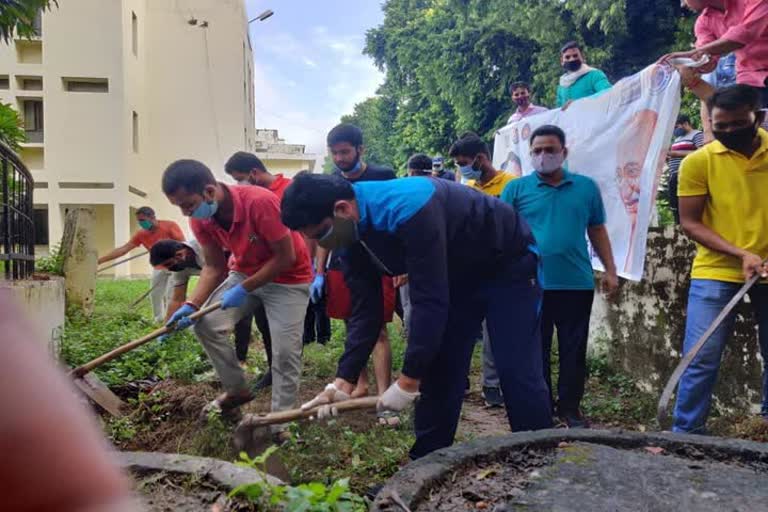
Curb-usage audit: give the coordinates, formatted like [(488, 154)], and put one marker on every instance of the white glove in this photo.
[(396, 399), (328, 396)]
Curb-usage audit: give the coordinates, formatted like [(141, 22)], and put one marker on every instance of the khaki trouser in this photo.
[(285, 305)]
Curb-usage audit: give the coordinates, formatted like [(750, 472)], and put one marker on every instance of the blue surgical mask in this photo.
[(145, 224), (469, 172), (205, 210), (679, 132)]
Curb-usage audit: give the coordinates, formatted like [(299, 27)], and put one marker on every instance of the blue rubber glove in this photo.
[(180, 319), (317, 289), (164, 338), (234, 297)]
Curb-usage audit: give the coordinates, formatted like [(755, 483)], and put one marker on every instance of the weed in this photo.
[(51, 264), (120, 430)]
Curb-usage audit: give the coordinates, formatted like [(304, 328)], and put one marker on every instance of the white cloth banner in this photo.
[(620, 140)]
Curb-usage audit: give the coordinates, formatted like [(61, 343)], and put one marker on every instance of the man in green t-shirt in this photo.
[(579, 80)]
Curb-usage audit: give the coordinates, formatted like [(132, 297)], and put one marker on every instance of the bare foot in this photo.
[(359, 392)]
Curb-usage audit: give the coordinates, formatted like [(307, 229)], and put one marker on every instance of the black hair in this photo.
[(244, 162), (735, 97), (683, 119), (519, 85), (469, 144), (345, 133), (570, 45), (146, 211), (311, 198), (548, 129), (420, 162), (190, 175), (163, 250)]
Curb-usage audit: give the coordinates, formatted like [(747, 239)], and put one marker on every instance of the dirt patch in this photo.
[(482, 485), (164, 492), (477, 420)]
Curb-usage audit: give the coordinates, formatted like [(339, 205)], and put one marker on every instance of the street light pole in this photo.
[(263, 16)]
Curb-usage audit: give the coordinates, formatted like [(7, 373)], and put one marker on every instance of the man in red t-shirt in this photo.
[(269, 266), (151, 232)]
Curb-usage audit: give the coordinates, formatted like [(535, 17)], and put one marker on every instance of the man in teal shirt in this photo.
[(562, 207), (579, 80)]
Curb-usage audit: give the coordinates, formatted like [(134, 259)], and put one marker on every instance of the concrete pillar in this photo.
[(122, 221), (79, 248)]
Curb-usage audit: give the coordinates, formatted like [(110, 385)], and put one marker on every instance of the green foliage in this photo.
[(613, 398), (449, 63), (51, 264), (113, 324), (11, 126), (19, 15), (309, 497)]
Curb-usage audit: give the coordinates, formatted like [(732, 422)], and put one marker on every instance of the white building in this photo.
[(280, 157), (113, 91)]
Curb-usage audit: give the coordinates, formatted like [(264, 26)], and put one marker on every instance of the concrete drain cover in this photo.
[(598, 478)]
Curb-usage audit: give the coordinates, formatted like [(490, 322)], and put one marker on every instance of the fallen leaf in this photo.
[(655, 450), (563, 444), (481, 505), (486, 473)]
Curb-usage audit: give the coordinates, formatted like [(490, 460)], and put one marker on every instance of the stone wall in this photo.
[(43, 301), (641, 330)]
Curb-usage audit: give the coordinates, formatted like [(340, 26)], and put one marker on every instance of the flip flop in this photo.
[(388, 418)]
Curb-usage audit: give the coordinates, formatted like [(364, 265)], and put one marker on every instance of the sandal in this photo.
[(388, 418)]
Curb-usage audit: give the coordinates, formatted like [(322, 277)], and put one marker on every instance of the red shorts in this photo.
[(340, 298)]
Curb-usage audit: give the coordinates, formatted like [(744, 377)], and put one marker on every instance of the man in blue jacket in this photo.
[(468, 256)]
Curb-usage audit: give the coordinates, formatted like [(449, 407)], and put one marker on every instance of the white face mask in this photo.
[(548, 163)]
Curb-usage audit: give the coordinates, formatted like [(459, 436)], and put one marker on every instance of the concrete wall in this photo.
[(641, 331), (43, 301)]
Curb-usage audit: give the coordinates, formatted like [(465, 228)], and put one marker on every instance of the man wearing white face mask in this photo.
[(561, 207)]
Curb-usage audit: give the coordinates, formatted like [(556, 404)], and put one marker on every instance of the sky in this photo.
[(309, 69)]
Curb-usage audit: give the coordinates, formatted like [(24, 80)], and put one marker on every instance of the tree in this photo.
[(19, 16), (11, 127), (448, 63)]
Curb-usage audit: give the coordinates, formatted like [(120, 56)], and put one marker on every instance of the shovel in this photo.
[(93, 388), (253, 435), (102, 269), (666, 395)]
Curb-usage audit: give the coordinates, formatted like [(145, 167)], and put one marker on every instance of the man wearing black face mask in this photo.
[(687, 140), (579, 80), (183, 260), (723, 208), (521, 98)]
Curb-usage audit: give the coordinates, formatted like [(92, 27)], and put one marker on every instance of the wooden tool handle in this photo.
[(109, 356), (102, 269), (368, 402)]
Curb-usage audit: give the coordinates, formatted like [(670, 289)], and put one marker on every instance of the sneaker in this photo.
[(492, 397), (574, 420), (264, 382)]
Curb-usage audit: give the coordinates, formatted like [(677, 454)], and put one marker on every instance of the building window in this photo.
[(33, 120), (135, 132), (134, 34), (85, 84), (41, 226), (33, 83), (4, 82)]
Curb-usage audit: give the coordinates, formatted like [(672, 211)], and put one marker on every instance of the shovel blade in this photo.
[(92, 387)]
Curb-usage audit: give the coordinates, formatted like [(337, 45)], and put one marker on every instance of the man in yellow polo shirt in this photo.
[(724, 209), (473, 158)]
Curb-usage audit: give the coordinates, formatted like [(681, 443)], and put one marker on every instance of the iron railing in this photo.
[(17, 225)]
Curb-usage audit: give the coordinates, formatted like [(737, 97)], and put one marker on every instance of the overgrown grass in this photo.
[(115, 323)]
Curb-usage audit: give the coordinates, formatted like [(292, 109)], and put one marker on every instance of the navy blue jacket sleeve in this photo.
[(363, 279), (425, 240)]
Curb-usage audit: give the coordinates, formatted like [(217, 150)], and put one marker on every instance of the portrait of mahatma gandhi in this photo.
[(512, 164), (632, 149)]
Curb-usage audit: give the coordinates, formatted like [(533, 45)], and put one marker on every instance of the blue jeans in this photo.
[(516, 345), (706, 300)]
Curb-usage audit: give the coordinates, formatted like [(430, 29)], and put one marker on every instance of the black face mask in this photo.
[(738, 140), (572, 65)]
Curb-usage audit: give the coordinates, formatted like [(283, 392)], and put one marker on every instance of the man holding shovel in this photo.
[(151, 232), (723, 208), (468, 257), (269, 265)]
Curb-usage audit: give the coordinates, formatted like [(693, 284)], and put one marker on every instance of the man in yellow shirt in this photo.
[(473, 158), (724, 209)]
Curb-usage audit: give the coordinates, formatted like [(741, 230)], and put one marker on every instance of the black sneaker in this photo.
[(264, 382), (574, 420), (492, 397)]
